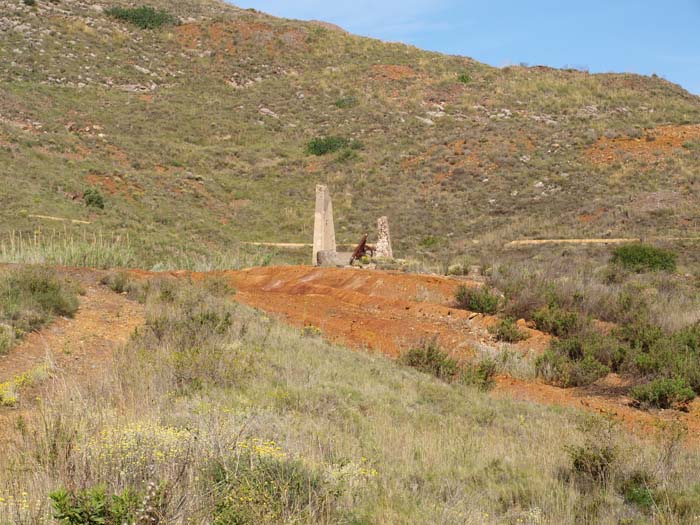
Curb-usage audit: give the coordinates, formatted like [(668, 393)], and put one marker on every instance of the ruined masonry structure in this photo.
[(324, 229), (383, 247)]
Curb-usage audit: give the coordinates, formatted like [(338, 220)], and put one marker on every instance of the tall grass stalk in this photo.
[(66, 249)]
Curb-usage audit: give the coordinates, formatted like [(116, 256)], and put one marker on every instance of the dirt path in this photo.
[(79, 346)]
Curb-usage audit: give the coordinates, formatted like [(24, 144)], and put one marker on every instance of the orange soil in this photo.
[(389, 72), (657, 144), (382, 311), (375, 310), (114, 184), (389, 311), (608, 397)]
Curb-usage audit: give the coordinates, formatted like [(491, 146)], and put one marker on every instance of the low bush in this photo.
[(345, 102), (594, 461), (643, 258), (430, 359), (30, 298), (507, 330), (562, 371), (482, 300), (556, 321), (121, 283), (265, 486), (94, 506), (578, 361), (464, 78), (637, 489), (663, 393), (145, 17), (93, 199), (481, 375), (325, 145)]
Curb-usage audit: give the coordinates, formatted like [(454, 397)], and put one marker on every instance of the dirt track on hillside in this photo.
[(367, 310), (382, 311), (389, 312)]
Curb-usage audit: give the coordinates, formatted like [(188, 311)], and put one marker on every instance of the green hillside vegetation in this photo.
[(193, 121), (213, 413)]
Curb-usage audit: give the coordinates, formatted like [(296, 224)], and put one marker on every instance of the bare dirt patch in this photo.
[(392, 72), (654, 146), (383, 311)]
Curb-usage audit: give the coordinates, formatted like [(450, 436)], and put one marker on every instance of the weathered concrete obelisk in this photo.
[(383, 246), (324, 229)]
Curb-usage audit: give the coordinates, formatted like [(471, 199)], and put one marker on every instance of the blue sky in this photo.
[(642, 36)]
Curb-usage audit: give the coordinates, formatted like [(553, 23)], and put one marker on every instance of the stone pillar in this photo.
[(383, 247), (324, 229)]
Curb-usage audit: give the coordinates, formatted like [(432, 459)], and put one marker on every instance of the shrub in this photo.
[(7, 338), (93, 199), (637, 489), (593, 461), (345, 102), (643, 258), (93, 506), (560, 370), (121, 283), (507, 330), (481, 300), (578, 361), (663, 393), (30, 3), (265, 486), (430, 359), (348, 155), (481, 375), (464, 78), (117, 282), (555, 320), (325, 145), (29, 298), (145, 17)]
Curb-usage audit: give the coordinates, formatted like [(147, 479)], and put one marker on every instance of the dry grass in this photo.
[(209, 387)]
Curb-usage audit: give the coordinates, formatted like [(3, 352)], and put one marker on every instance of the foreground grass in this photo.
[(216, 414)]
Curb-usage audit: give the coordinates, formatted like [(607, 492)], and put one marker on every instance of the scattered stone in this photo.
[(268, 113)]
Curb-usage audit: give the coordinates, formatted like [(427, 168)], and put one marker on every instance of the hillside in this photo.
[(195, 134), (194, 408)]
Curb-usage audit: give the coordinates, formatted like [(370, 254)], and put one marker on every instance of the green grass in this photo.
[(144, 17), (182, 172), (215, 412), (324, 145), (644, 258)]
